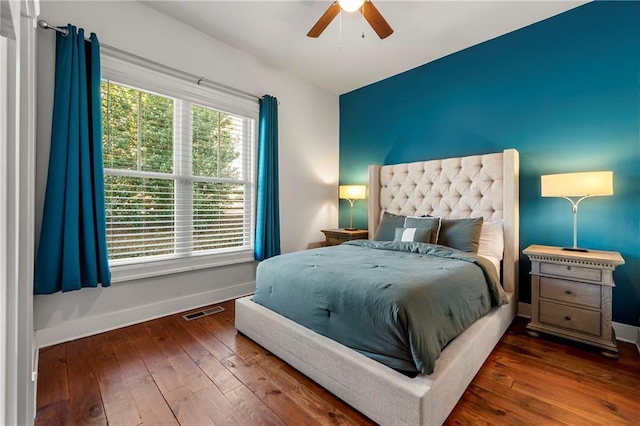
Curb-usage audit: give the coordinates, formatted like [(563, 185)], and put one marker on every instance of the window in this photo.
[(179, 178)]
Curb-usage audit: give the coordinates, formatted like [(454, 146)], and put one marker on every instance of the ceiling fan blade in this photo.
[(324, 20), (375, 19)]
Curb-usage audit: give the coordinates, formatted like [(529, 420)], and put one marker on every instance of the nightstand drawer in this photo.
[(570, 292), (333, 237), (570, 271), (572, 318), (334, 241), (571, 295)]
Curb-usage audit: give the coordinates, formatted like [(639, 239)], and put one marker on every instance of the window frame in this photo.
[(141, 76)]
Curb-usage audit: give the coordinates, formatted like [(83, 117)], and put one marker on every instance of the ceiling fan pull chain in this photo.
[(340, 24), (362, 21)]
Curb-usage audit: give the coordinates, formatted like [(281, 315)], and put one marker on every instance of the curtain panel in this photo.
[(267, 238), (73, 251)]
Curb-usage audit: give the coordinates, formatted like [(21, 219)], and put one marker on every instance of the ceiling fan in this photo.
[(366, 7)]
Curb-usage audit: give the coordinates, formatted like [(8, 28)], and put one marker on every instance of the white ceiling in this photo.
[(275, 32)]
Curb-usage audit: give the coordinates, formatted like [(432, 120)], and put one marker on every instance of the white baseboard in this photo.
[(624, 332), (75, 329), (524, 310), (34, 373)]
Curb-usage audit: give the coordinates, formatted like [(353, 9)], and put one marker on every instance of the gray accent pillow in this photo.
[(431, 223), (419, 235), (461, 234), (387, 229)]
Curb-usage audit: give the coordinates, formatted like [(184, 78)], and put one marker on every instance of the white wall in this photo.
[(308, 137)]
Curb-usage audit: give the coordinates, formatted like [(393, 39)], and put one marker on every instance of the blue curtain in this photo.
[(73, 250), (267, 242)]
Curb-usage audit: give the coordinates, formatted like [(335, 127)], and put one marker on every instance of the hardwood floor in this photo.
[(201, 372)]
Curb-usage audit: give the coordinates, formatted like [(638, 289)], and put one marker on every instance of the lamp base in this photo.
[(350, 229), (582, 250)]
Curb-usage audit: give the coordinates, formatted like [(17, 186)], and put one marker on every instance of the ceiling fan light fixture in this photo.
[(370, 13), (350, 5)]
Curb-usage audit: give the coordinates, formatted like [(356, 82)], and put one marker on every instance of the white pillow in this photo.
[(419, 235), (491, 240), (495, 262), (491, 244)]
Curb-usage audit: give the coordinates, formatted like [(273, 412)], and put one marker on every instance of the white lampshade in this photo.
[(350, 5), (353, 192), (577, 184)]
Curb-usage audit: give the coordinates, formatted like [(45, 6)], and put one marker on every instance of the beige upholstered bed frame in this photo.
[(473, 186)]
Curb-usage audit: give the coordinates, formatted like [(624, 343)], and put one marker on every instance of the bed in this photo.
[(474, 186)]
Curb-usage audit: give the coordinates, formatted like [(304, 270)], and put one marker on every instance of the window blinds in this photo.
[(178, 175)]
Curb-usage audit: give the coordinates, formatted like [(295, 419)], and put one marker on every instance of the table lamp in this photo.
[(352, 193), (580, 186)]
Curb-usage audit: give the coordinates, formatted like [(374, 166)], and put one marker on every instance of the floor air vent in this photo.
[(203, 313)]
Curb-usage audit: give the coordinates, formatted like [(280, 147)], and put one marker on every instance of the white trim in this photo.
[(87, 326), (624, 332), (524, 310), (35, 360), (155, 268), (17, 162), (143, 77), (27, 191), (3, 225), (30, 9)]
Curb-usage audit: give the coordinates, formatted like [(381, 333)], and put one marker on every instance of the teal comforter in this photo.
[(398, 303)]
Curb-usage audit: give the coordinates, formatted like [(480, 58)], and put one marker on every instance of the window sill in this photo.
[(123, 273)]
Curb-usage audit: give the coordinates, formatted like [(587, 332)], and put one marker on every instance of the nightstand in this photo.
[(338, 236), (571, 295)]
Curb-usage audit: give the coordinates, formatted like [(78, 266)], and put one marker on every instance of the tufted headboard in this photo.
[(474, 186)]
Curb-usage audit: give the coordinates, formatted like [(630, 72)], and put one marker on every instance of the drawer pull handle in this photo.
[(568, 291), (568, 318), (568, 268)]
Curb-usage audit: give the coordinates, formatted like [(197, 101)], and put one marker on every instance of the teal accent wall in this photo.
[(565, 92)]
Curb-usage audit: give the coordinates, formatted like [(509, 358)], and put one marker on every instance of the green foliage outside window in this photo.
[(138, 138), (215, 145)]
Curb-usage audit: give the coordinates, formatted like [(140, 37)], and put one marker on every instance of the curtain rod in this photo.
[(198, 79)]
